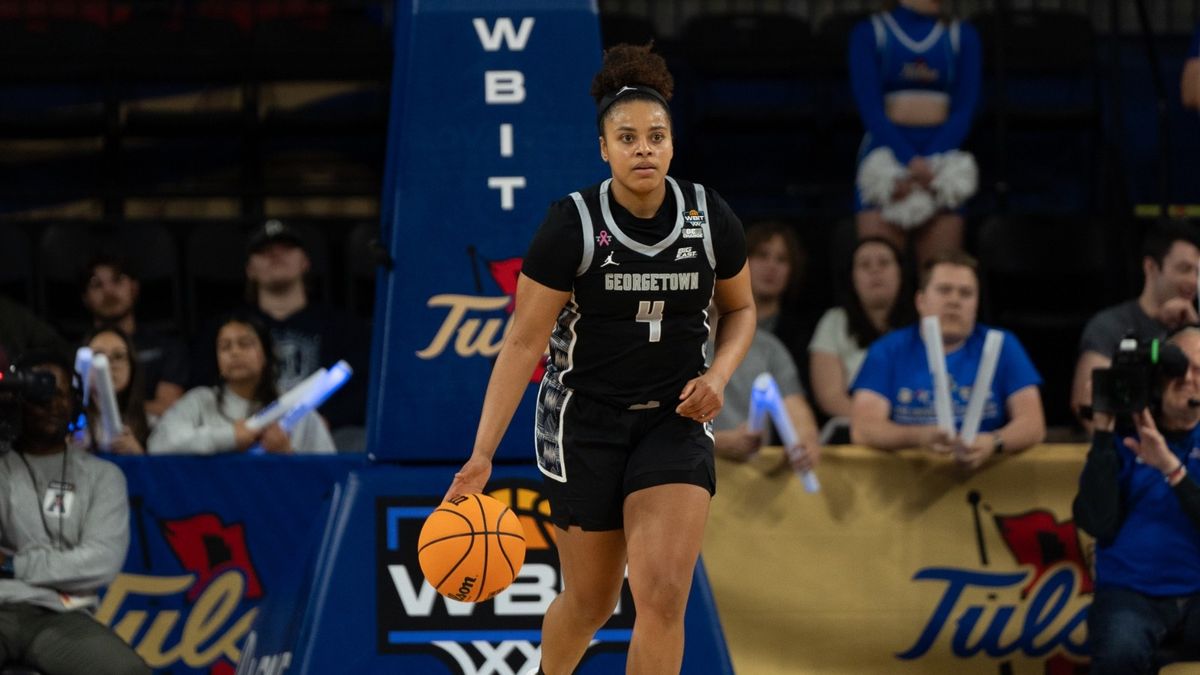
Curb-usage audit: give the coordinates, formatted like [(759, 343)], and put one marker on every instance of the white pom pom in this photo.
[(955, 178), (877, 176), (912, 211)]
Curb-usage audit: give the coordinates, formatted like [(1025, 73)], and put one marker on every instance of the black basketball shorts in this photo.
[(594, 454)]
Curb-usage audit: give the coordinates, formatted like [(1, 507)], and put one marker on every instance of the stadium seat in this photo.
[(63, 250), (746, 92), (16, 265), (18, 670), (362, 261), (1039, 128), (214, 270), (153, 252), (618, 28), (340, 41), (841, 128), (1043, 277)]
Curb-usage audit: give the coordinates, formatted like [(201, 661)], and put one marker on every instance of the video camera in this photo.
[(1138, 373), (16, 387)]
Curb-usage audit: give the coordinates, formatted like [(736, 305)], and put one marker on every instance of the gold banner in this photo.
[(901, 564)]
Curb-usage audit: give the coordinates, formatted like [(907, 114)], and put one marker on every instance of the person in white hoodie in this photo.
[(208, 420), (64, 533)]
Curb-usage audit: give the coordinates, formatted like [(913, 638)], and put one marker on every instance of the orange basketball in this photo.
[(471, 548)]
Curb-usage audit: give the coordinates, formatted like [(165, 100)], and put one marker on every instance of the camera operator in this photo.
[(1138, 499), (64, 532)]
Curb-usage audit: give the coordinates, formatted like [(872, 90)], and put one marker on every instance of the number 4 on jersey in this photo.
[(652, 313)]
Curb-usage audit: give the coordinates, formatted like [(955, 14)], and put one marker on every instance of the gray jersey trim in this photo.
[(702, 206), (630, 243), (589, 244)]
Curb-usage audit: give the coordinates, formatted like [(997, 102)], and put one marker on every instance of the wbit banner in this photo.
[(365, 607), (490, 122), (308, 565), (903, 564)]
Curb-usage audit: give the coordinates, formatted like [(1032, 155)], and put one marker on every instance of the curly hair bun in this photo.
[(632, 65)]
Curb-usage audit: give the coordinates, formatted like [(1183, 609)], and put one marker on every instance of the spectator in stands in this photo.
[(126, 374), (916, 77), (776, 261), (893, 394), (1189, 81), (110, 292), (21, 331), (307, 335), (213, 419), (731, 435), (64, 532), (876, 304), (1170, 259), (1138, 498)]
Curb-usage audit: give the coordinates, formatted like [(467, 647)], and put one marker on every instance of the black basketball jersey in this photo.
[(636, 326)]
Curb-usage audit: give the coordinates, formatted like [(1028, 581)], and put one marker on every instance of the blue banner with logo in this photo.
[(308, 565), (211, 539), (366, 608), (491, 121)]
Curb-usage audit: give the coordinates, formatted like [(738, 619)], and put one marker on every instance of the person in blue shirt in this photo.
[(1138, 499), (893, 404), (1189, 81), (916, 78)]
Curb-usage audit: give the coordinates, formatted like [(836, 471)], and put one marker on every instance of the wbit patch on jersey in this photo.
[(693, 221)]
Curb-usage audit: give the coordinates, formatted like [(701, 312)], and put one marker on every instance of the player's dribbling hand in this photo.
[(703, 397), (471, 478)]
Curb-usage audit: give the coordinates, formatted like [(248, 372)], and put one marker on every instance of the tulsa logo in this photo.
[(209, 596), (1038, 610), (473, 322), (498, 637)]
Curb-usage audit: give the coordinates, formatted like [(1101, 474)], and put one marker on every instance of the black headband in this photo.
[(609, 99)]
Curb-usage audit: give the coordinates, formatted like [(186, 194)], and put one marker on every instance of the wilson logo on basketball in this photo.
[(465, 589), (463, 627)]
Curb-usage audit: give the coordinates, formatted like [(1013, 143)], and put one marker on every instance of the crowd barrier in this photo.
[(307, 564), (901, 564)]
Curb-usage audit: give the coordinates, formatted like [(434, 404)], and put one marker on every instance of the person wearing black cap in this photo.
[(308, 335), (618, 280)]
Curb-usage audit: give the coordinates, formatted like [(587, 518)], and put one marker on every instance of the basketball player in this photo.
[(618, 279), (916, 79)]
